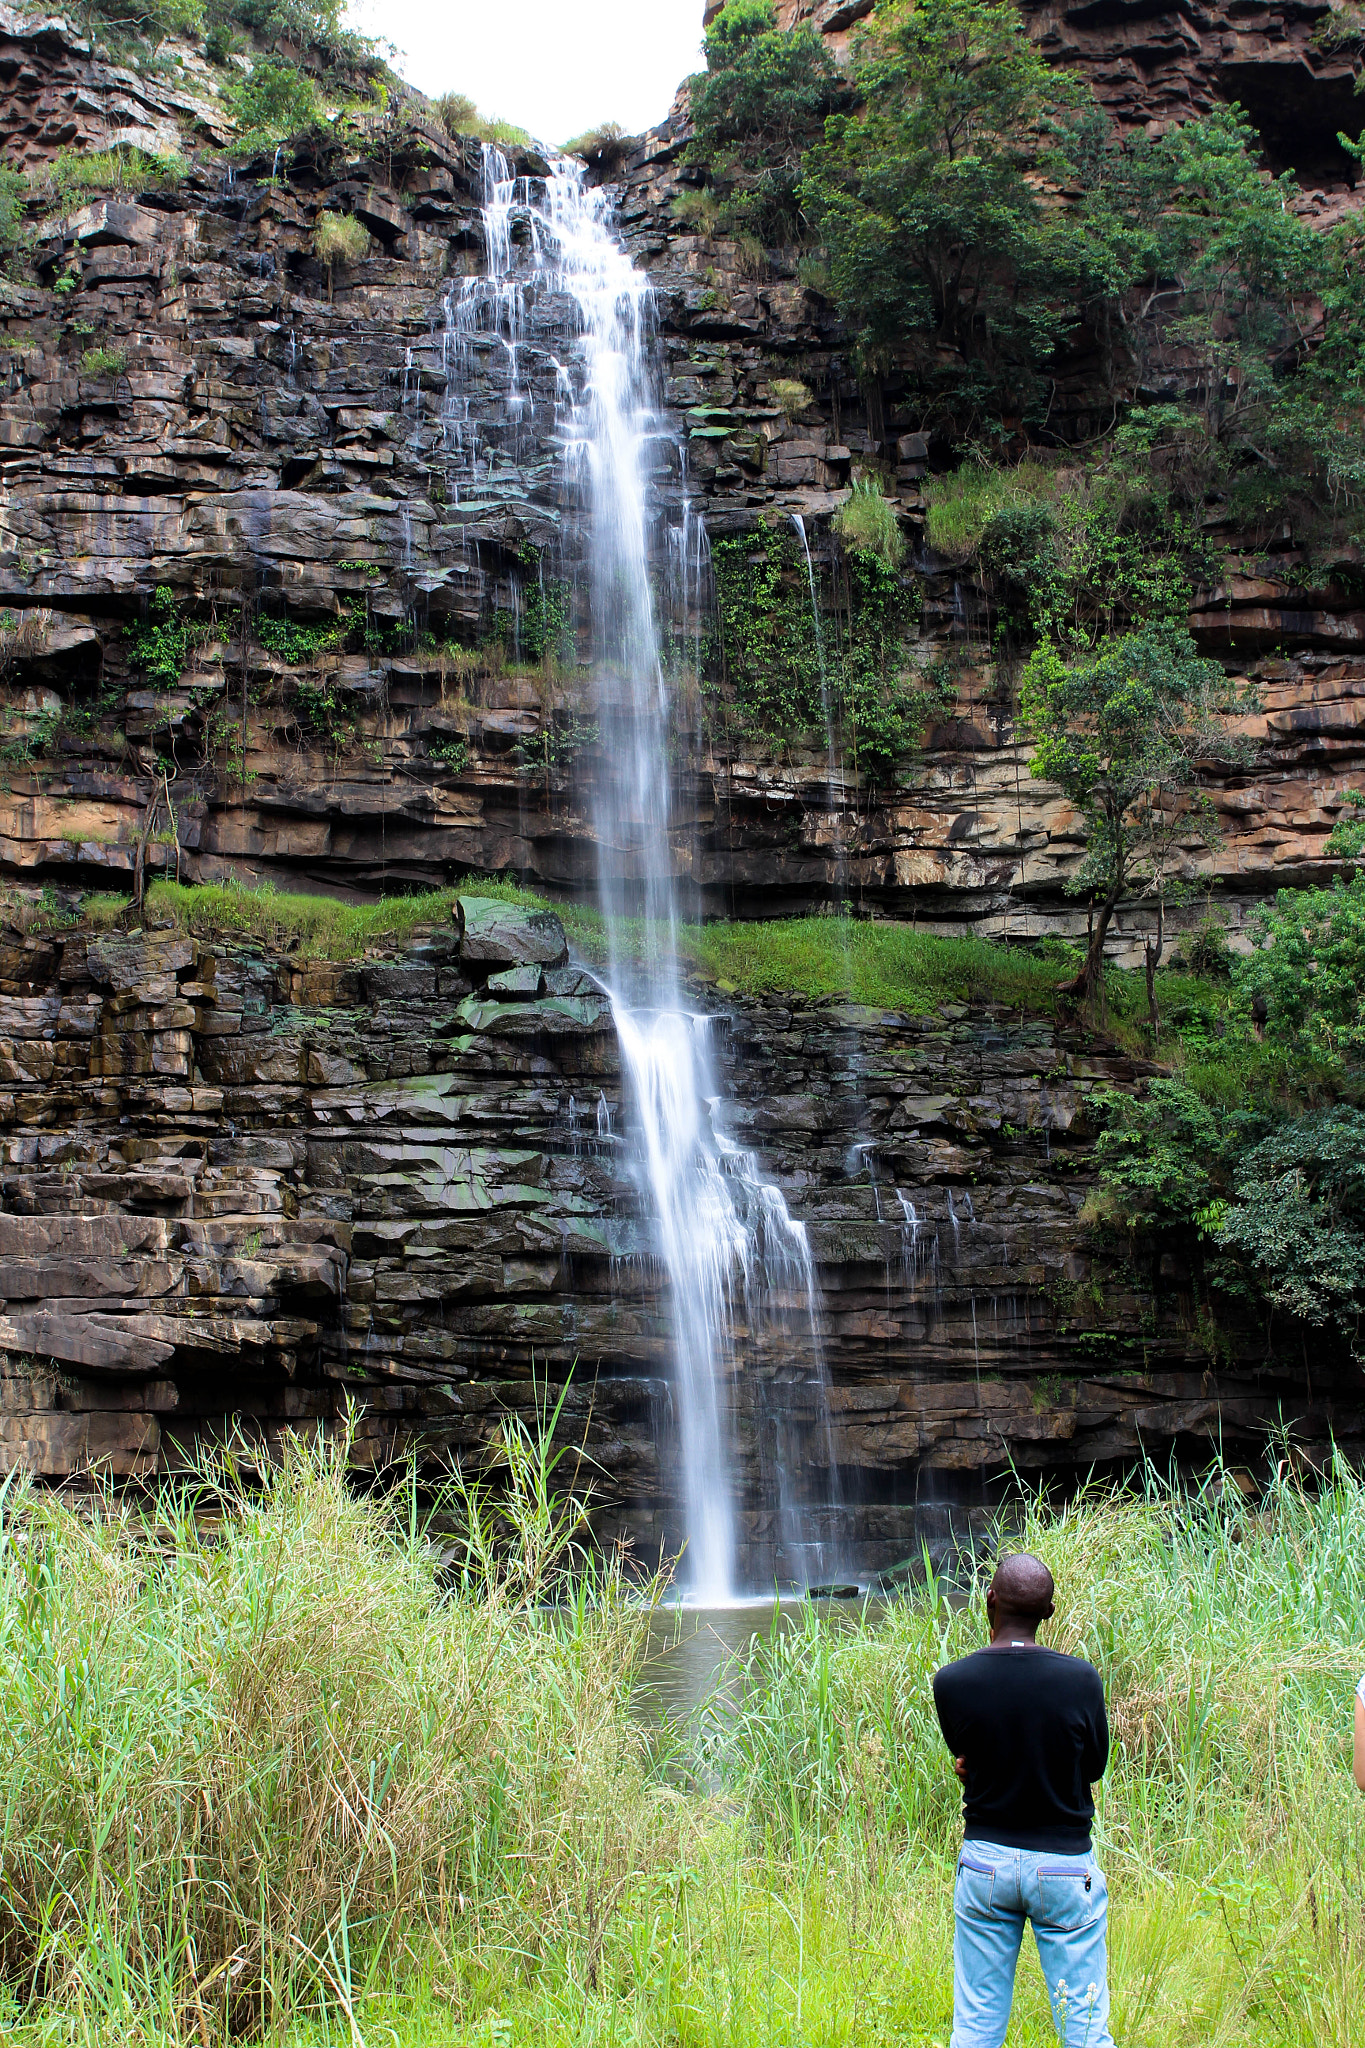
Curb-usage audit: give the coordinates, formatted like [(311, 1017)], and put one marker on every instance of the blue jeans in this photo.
[(1068, 1902)]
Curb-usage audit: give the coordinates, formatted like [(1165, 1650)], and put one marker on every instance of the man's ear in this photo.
[(1051, 1610)]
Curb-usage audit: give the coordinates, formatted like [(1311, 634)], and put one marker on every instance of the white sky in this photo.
[(557, 67)]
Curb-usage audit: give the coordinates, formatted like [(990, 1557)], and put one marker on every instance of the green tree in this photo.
[(759, 103), (1293, 1235), (928, 200), (1307, 974), (276, 101), (1212, 279), (1122, 732), (1158, 1154)]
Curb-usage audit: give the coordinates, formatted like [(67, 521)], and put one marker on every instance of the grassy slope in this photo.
[(882, 965), (284, 1758)]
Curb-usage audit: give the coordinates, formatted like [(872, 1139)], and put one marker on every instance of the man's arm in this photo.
[(1097, 1748), (1359, 1758), (949, 1725)]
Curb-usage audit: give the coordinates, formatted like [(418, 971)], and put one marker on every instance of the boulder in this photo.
[(517, 981), (505, 935)]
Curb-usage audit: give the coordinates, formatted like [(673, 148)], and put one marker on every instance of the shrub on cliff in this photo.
[(276, 102), (1307, 971), (868, 521), (460, 118), (161, 645), (597, 144), (13, 198), (149, 19), (756, 107), (315, 27), (339, 238), (1123, 732)]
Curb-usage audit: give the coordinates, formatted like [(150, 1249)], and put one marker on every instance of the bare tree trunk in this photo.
[(1091, 977), (140, 858), (1151, 960)]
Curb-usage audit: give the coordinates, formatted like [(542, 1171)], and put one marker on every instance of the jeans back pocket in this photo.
[(975, 1883), (1071, 1896)]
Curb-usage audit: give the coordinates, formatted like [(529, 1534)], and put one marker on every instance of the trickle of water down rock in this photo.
[(738, 1265)]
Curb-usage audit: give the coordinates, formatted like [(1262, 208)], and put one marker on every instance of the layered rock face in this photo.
[(194, 402), (241, 1191), (243, 1195), (60, 94), (1153, 64)]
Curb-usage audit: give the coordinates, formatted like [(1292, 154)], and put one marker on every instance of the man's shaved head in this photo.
[(1023, 1588)]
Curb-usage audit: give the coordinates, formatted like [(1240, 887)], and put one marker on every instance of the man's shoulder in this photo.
[(1079, 1671), (948, 1676), (991, 1663)]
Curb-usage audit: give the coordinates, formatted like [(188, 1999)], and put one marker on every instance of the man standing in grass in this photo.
[(1029, 1736)]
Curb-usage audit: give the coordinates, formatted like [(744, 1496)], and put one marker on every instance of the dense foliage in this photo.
[(1269, 1175), (977, 212), (316, 28), (1124, 733), (276, 101), (758, 105), (938, 235), (1309, 971)]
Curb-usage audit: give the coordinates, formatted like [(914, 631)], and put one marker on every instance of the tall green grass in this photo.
[(882, 965), (256, 1755), (962, 504), (1230, 1638), (274, 1760)]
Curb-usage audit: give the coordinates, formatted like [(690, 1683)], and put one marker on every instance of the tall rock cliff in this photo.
[(194, 403), (243, 1196), (279, 601)]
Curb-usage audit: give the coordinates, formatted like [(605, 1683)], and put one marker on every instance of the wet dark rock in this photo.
[(231, 1189), (498, 934)]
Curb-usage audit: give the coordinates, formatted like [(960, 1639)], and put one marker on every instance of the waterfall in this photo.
[(799, 523), (833, 775), (734, 1259)]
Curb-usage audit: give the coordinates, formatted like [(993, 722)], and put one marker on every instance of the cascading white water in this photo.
[(724, 1236), (798, 521)]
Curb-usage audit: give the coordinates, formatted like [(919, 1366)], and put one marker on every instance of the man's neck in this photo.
[(1015, 1635)]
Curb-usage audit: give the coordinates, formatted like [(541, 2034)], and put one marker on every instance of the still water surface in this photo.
[(693, 1650)]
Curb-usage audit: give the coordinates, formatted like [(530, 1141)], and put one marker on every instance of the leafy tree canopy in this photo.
[(925, 195), (759, 103), (1308, 970), (1123, 732), (1293, 1233), (1279, 1200)]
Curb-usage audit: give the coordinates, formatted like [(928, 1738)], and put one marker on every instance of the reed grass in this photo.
[(257, 1755), (276, 1761)]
